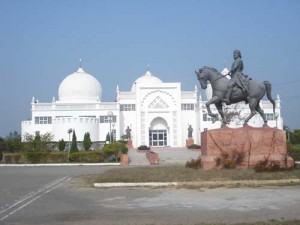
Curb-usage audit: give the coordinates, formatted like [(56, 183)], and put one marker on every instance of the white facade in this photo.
[(157, 113)]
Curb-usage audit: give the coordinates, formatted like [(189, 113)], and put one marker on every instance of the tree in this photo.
[(74, 147), (107, 138), (114, 150), (38, 142), (87, 143), (3, 145), (13, 141), (233, 114), (61, 145), (124, 137), (297, 135)]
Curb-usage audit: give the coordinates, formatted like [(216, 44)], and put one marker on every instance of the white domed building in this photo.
[(80, 87), (157, 113)]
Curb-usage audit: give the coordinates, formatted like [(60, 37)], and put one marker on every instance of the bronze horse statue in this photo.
[(219, 83)]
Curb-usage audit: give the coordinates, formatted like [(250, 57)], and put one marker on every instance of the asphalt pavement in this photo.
[(53, 195)]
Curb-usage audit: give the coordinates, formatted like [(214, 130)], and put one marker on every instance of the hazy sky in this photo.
[(41, 42)]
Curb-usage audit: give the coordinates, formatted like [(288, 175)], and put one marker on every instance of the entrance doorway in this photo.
[(158, 138), (158, 132)]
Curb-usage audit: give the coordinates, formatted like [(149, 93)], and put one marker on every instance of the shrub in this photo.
[(74, 147), (194, 164), (230, 160), (293, 148), (114, 150), (13, 158), (57, 157), (46, 157), (194, 146), (61, 145), (124, 149), (87, 143), (7, 159), (35, 157), (294, 151), (143, 147), (16, 157), (123, 142), (87, 156), (267, 165), (1, 156)]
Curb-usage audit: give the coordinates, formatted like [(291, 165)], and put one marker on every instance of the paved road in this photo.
[(51, 195)]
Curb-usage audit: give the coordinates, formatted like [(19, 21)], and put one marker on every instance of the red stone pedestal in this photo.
[(256, 144), (189, 141), (124, 159), (152, 158), (129, 144)]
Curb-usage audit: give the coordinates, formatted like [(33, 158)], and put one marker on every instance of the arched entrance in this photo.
[(158, 132)]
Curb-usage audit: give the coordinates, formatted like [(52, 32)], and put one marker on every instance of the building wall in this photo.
[(158, 107)]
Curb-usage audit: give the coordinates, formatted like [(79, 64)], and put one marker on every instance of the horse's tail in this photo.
[(268, 86)]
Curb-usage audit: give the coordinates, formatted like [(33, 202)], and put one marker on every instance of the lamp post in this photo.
[(70, 130), (110, 115)]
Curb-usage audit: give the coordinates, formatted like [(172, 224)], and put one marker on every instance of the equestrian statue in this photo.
[(237, 89)]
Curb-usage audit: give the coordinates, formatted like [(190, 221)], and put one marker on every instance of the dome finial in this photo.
[(80, 63)]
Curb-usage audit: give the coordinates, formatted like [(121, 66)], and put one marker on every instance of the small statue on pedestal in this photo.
[(190, 131)]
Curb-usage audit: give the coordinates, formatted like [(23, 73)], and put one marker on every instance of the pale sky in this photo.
[(42, 41)]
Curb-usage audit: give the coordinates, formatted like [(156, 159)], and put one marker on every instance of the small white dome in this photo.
[(147, 79), (80, 87)]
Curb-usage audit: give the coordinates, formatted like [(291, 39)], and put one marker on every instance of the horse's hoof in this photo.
[(226, 101), (213, 115), (224, 125)]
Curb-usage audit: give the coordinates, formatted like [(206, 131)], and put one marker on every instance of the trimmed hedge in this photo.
[(194, 146), (46, 157), (14, 158), (143, 147), (36, 157), (87, 156)]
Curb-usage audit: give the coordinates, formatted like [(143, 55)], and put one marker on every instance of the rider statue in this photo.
[(237, 77)]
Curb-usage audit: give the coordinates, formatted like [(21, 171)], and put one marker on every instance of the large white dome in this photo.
[(80, 87), (146, 80)]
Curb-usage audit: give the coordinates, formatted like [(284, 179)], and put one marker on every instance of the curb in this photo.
[(202, 184), (148, 184), (60, 164)]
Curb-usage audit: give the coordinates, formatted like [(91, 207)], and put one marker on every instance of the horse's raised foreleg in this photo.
[(252, 105), (213, 100)]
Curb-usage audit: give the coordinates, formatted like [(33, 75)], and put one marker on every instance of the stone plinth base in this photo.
[(152, 158), (255, 144), (189, 142), (124, 159), (129, 144)]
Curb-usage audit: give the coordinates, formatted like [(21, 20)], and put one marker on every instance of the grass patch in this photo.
[(271, 222), (191, 178)]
